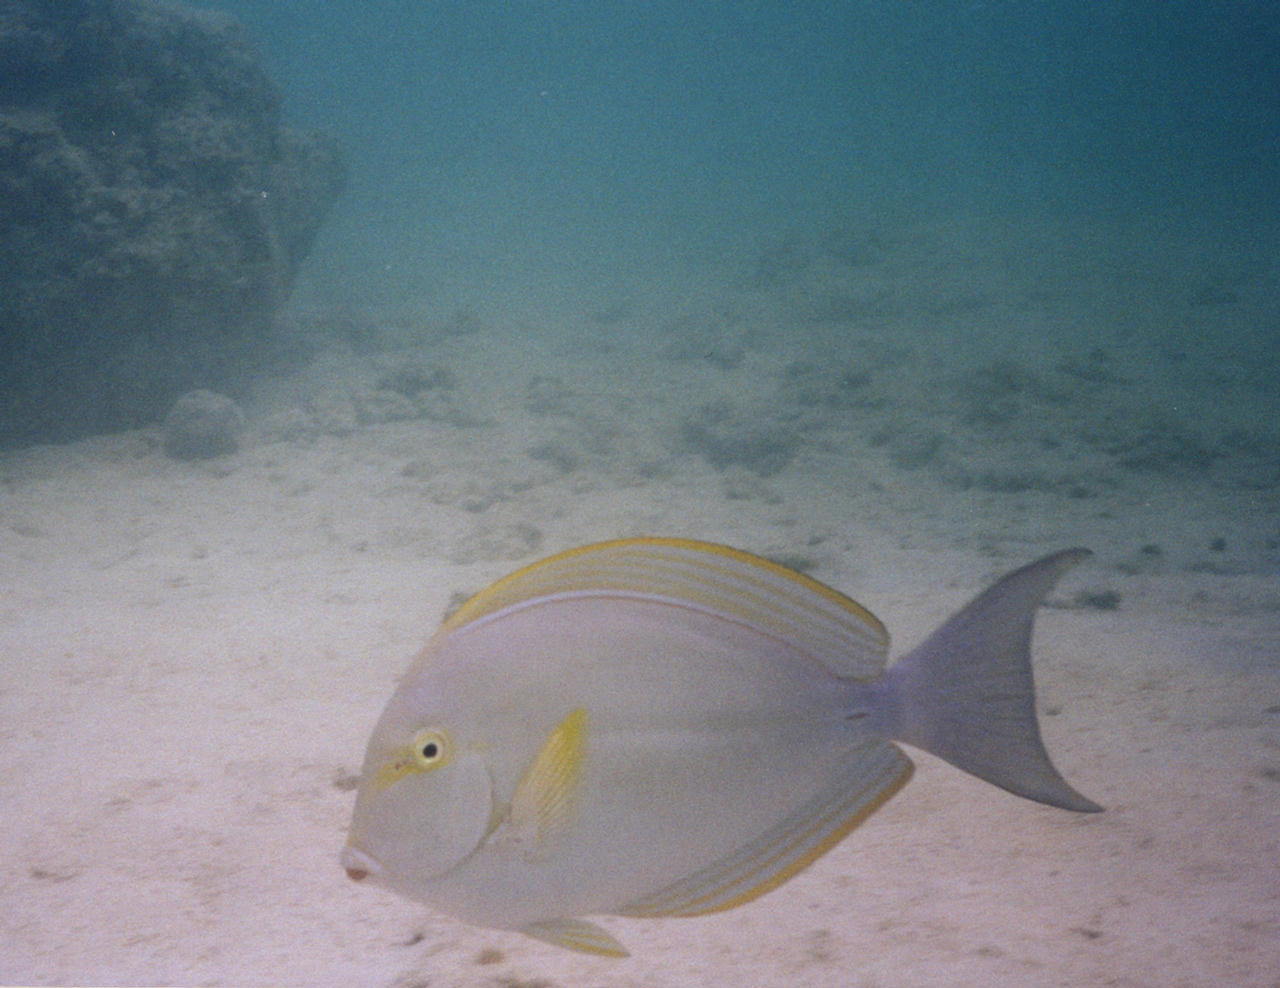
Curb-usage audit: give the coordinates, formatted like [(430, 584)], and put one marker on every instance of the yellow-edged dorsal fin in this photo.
[(546, 796), (876, 770), (576, 934), (831, 627)]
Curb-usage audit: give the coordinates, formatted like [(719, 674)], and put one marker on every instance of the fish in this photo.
[(662, 727)]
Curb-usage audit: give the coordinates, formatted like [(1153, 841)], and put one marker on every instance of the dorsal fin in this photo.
[(736, 585)]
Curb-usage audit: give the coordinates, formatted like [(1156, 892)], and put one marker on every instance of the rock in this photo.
[(201, 425), (154, 208)]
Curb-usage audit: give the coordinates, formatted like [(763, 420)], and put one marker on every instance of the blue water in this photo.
[(922, 290), (581, 139)]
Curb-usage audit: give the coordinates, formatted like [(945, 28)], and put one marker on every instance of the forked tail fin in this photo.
[(966, 693)]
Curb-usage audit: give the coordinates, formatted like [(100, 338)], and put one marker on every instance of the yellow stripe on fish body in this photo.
[(722, 580), (662, 727)]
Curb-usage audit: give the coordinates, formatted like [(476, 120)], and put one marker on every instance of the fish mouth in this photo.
[(359, 865)]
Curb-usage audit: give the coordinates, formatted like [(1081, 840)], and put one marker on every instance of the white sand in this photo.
[(193, 654)]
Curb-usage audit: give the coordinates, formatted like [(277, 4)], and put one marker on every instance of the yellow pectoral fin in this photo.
[(546, 797)]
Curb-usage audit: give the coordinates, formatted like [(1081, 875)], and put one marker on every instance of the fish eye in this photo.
[(429, 748)]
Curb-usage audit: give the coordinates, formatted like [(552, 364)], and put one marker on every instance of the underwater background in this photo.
[(582, 140), (1075, 204), (901, 295)]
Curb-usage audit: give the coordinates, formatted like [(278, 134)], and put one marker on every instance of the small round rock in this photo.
[(202, 424)]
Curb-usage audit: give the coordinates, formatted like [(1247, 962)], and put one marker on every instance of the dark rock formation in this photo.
[(154, 210)]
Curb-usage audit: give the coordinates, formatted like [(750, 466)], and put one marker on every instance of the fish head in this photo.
[(424, 802)]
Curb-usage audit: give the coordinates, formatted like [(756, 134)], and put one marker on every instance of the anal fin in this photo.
[(872, 774)]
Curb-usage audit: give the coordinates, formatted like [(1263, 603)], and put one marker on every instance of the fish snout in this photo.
[(358, 865)]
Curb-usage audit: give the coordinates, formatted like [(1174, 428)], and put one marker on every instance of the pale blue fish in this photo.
[(661, 727)]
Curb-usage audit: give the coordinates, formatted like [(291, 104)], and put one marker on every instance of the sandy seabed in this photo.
[(194, 653)]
